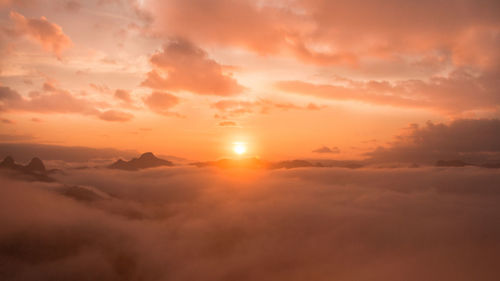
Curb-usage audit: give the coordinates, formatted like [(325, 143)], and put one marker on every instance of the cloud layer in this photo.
[(340, 32), (200, 224)]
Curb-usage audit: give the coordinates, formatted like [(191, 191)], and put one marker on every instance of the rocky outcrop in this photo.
[(145, 161)]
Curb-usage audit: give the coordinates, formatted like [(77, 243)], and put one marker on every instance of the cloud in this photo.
[(236, 108), (416, 65), (18, 3), (123, 96), (474, 140), (239, 23), (325, 149), (458, 92), (7, 121), (161, 103), (288, 106), (53, 100), (114, 115), (227, 124), (325, 224), (100, 88), (341, 32), (48, 34), (182, 66), (15, 138), (72, 6), (17, 147)]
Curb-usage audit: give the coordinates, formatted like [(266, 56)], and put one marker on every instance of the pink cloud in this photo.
[(227, 124), (457, 92), (123, 96), (7, 121), (53, 100), (236, 108), (161, 103), (115, 116), (48, 34), (335, 32), (182, 66)]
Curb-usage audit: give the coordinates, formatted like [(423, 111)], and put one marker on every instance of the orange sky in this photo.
[(287, 77)]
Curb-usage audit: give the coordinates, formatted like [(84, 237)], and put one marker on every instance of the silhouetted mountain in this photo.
[(122, 165), (256, 163), (491, 165), (36, 165), (8, 162), (35, 170), (290, 164), (452, 163), (80, 193), (248, 163), (146, 160)]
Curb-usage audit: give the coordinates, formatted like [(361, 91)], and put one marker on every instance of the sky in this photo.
[(288, 78)]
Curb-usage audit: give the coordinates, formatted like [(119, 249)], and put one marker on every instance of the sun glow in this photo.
[(239, 148)]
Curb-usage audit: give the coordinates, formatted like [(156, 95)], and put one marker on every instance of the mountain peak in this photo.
[(147, 155), (7, 162), (36, 165), (146, 160)]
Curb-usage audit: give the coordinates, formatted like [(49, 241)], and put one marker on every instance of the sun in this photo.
[(239, 148)]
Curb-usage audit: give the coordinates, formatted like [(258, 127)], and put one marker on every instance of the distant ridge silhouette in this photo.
[(247, 163), (256, 163), (145, 161), (460, 163), (35, 170), (452, 163)]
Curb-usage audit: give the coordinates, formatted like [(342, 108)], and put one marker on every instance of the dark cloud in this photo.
[(475, 140), (198, 224)]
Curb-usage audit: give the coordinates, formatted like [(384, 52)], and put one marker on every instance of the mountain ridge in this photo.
[(145, 161)]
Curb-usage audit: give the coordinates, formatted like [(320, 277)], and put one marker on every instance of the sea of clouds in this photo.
[(186, 223)]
